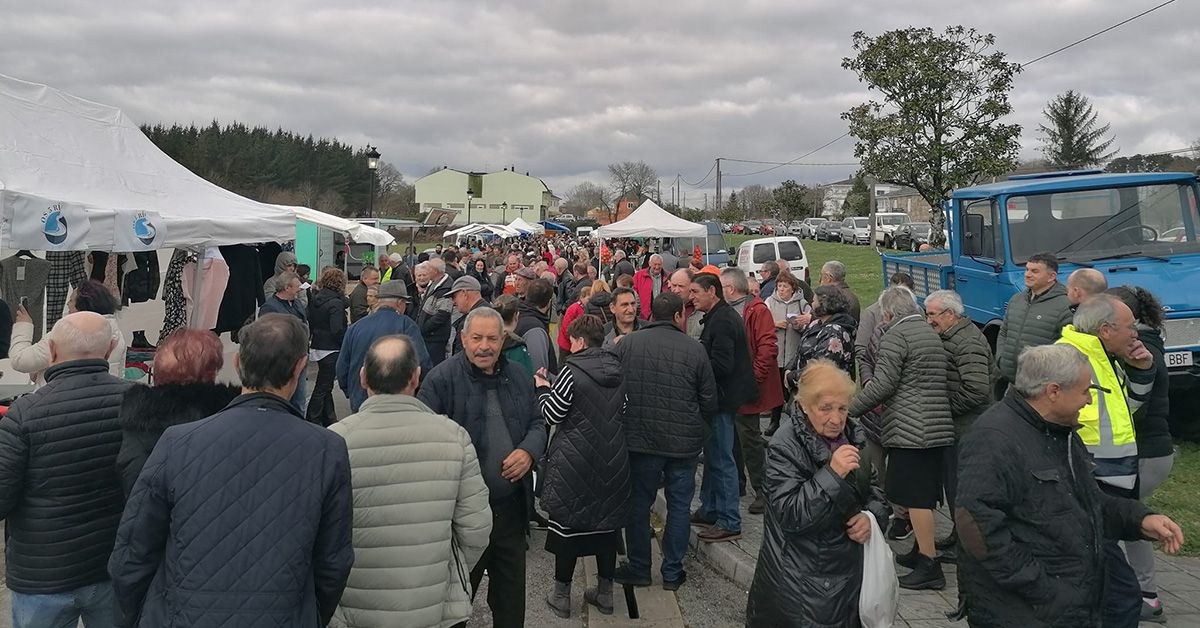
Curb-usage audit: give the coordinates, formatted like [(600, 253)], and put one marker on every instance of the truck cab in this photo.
[(1136, 228)]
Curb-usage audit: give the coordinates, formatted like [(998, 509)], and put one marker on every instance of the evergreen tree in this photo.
[(1074, 137)]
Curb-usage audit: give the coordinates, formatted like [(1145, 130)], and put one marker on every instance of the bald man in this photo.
[(1084, 284), (61, 499)]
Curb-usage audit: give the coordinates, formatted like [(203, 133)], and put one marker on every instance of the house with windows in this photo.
[(835, 194), (487, 197), (905, 200)]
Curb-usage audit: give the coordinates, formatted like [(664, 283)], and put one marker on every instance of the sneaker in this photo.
[(673, 585), (1152, 611), (926, 575), (699, 521), (625, 576), (758, 505), (717, 534), (909, 560), (948, 555), (899, 530)]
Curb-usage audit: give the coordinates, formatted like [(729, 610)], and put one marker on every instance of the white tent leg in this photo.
[(197, 289)]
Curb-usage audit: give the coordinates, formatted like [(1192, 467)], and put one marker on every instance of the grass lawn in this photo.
[(864, 271), (1179, 496)]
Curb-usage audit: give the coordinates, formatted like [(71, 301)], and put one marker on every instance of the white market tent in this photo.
[(475, 229), (358, 232), (651, 221), (78, 175), (520, 225)]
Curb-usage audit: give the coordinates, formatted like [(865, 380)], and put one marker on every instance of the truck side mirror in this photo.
[(732, 260), (972, 242)]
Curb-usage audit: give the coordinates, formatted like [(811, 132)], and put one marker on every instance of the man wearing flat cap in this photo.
[(388, 319), (524, 275), (466, 294)]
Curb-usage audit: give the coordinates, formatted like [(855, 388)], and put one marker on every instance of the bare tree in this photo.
[(632, 180), (588, 196), (756, 201)]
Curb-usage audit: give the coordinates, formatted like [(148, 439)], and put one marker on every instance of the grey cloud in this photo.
[(563, 88)]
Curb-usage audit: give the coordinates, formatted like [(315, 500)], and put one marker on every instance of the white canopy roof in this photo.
[(77, 175), (364, 234), (651, 221), (520, 225), (474, 229)]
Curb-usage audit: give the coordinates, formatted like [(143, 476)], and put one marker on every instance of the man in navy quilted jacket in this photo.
[(242, 519)]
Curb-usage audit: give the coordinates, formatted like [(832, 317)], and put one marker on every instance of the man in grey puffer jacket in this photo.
[(910, 383), (412, 570), (1035, 316)]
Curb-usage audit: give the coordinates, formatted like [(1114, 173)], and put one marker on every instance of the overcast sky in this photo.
[(562, 88)]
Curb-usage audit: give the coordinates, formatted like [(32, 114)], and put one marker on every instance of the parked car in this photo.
[(796, 229), (565, 218), (714, 246), (827, 231), (911, 236), (752, 227), (885, 225), (808, 227), (752, 254), (855, 231)]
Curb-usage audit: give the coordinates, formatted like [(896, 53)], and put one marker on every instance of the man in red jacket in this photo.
[(649, 283), (764, 353)]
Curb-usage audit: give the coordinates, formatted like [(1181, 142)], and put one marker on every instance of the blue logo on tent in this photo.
[(144, 230), (55, 226)]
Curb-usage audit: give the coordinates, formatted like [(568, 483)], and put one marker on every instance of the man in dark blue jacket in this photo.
[(285, 301), (59, 494), (494, 400), (243, 518), (387, 320)]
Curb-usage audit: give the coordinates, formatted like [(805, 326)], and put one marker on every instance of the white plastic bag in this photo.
[(879, 600)]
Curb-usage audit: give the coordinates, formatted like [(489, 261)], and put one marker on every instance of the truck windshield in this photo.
[(1087, 224), (892, 220)]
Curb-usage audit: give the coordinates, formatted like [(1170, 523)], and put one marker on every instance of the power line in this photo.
[(788, 163), (702, 179), (1097, 34)]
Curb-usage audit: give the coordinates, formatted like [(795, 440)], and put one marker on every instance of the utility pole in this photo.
[(706, 202), (718, 185), (658, 195), (872, 206)]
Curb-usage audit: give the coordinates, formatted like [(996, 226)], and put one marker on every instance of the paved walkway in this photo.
[(1178, 577)]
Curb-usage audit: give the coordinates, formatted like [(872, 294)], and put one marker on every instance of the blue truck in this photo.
[(1137, 228)]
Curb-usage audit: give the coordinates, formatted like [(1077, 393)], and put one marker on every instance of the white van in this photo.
[(886, 223), (752, 254), (582, 232)]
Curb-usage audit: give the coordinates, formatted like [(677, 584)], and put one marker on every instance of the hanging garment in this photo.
[(175, 305), (109, 270), (243, 295), (207, 300), (141, 283), (22, 276), (66, 273)]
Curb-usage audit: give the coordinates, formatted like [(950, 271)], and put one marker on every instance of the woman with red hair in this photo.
[(185, 390)]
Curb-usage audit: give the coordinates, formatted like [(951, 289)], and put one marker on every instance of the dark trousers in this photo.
[(504, 561), (950, 474), (1122, 593), (750, 451), (680, 486), (606, 564), (320, 405)]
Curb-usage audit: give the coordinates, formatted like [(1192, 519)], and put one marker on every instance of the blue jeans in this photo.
[(301, 395), (93, 603), (1122, 593), (680, 474), (719, 487)]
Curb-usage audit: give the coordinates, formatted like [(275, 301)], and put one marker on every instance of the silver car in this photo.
[(856, 230)]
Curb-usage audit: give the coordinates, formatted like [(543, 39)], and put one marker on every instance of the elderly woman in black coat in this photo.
[(587, 479), (817, 483), (185, 390)]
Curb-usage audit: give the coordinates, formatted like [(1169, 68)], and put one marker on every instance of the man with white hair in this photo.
[(60, 496), (650, 282), (968, 381), (436, 310), (1031, 520)]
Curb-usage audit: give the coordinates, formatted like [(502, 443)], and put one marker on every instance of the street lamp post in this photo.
[(504, 212), (470, 195), (372, 166)]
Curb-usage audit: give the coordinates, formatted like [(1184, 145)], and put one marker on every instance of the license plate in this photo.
[(1178, 358)]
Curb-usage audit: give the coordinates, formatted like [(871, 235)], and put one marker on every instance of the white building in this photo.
[(491, 198), (836, 193)]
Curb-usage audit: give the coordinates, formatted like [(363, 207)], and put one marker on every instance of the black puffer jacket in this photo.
[(724, 339), (59, 497), (1031, 520), (241, 519), (910, 383), (327, 319), (809, 572), (831, 340), (1030, 323), (587, 464), (1151, 420), (671, 392), (969, 380), (434, 319), (147, 411)]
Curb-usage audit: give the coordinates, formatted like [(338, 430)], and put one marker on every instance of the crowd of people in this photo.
[(554, 383)]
